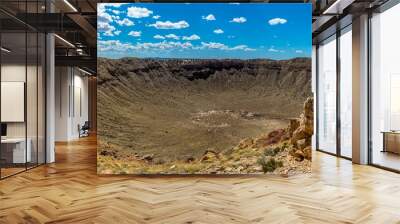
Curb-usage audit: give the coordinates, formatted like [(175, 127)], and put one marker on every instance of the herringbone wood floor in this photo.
[(69, 191)]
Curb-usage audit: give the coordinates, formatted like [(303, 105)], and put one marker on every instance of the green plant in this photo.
[(272, 151), (270, 164)]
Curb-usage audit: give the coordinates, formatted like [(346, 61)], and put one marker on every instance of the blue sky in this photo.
[(204, 30)]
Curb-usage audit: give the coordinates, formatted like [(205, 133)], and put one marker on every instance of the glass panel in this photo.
[(22, 88), (31, 98), (41, 99), (327, 95), (13, 89), (32, 86), (385, 92), (346, 92)]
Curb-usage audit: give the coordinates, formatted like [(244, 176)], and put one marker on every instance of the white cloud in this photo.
[(102, 15), (299, 51), (242, 47), (172, 36), (113, 45), (135, 33), (238, 20), (273, 49), (116, 45), (209, 17), (165, 45), (117, 5), (218, 31), (156, 17), (220, 46), (234, 3), (125, 22), (213, 45), (118, 32), (170, 25), (277, 21), (106, 28), (138, 12), (192, 37), (158, 36)]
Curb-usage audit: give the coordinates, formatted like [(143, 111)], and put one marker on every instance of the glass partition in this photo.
[(22, 77), (327, 95), (385, 89), (31, 99), (14, 151), (41, 91), (346, 92)]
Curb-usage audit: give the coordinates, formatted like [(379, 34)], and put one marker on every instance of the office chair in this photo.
[(84, 130)]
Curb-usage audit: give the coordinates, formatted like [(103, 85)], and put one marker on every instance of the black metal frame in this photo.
[(338, 98), (44, 80), (369, 90)]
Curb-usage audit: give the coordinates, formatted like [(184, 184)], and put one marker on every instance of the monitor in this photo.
[(3, 129)]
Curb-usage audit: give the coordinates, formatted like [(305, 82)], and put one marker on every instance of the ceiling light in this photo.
[(5, 49), (64, 40), (70, 5), (329, 9), (337, 7), (84, 71)]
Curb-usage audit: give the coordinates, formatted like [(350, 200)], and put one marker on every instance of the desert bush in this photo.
[(269, 164), (272, 151)]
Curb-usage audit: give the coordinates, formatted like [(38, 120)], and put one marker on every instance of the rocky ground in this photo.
[(201, 116), (283, 151)]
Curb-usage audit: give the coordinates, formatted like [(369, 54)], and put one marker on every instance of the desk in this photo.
[(391, 141), (15, 148)]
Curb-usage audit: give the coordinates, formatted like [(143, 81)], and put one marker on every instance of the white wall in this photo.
[(9, 73), (16, 73), (71, 102), (62, 82)]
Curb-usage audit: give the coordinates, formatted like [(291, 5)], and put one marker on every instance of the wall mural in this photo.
[(205, 88)]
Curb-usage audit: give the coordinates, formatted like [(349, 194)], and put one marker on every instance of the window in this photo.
[(385, 89), (346, 92), (327, 95)]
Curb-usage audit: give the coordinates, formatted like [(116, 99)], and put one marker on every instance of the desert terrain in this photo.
[(170, 115)]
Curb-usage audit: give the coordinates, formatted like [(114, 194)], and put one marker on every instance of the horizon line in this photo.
[(178, 58)]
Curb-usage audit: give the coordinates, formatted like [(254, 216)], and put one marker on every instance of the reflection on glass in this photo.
[(346, 93), (385, 89), (327, 96), (31, 100), (22, 90), (14, 153), (41, 99)]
